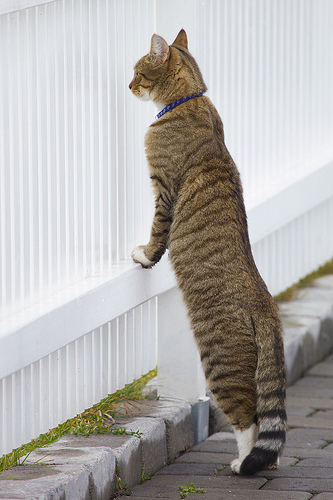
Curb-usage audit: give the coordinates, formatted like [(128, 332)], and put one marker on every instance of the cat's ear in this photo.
[(181, 39), (159, 49)]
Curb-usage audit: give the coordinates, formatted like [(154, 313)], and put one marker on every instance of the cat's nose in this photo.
[(130, 85)]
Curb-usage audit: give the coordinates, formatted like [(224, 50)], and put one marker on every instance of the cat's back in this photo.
[(187, 135), (208, 240)]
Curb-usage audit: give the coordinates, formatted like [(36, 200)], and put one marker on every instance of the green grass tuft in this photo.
[(291, 292), (96, 420), (185, 491)]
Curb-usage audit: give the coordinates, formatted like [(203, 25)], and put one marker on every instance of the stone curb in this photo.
[(77, 468), (308, 327)]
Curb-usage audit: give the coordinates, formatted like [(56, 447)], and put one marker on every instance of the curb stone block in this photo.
[(308, 330), (127, 451), (298, 348), (65, 474), (153, 442), (179, 431), (177, 416), (129, 460), (323, 369)]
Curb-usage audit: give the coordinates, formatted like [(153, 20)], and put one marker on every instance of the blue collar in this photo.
[(173, 105)]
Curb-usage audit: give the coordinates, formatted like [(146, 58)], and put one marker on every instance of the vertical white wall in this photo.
[(179, 370)]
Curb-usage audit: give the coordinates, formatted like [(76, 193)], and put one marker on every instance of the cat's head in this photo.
[(167, 73)]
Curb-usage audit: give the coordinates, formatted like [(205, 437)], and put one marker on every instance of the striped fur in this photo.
[(200, 217)]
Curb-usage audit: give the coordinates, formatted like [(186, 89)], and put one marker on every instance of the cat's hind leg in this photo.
[(245, 441)]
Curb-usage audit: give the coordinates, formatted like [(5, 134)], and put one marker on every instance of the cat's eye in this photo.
[(136, 74)]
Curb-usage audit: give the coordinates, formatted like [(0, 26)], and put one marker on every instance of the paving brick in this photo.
[(310, 392), (308, 438), (298, 472), (222, 436), (313, 422), (213, 469), (198, 469), (287, 461), (299, 411), (230, 494), (328, 449), (205, 458), (253, 495), (308, 402), (314, 381), (308, 453), (324, 414), (312, 485), (226, 482), (323, 496), (317, 462), (217, 447), (163, 491)]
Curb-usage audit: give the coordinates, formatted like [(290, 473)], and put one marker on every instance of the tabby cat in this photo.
[(200, 217)]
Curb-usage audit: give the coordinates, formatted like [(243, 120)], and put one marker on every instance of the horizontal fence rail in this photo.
[(78, 319)]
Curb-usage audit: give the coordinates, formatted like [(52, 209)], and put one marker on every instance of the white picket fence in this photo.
[(78, 318)]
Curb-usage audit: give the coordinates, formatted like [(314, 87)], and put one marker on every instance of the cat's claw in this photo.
[(138, 255), (236, 465), (273, 466)]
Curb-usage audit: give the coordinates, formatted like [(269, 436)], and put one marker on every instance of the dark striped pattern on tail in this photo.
[(269, 445)]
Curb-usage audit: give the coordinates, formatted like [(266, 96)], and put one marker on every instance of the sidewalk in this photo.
[(306, 468), (161, 444)]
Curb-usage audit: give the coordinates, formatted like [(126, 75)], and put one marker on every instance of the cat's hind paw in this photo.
[(138, 255), (236, 465)]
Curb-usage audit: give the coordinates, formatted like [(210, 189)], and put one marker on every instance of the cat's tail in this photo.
[(271, 392), (269, 445)]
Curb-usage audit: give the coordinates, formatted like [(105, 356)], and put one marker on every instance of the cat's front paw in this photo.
[(138, 255)]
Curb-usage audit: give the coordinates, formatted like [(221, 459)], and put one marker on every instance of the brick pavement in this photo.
[(306, 468)]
